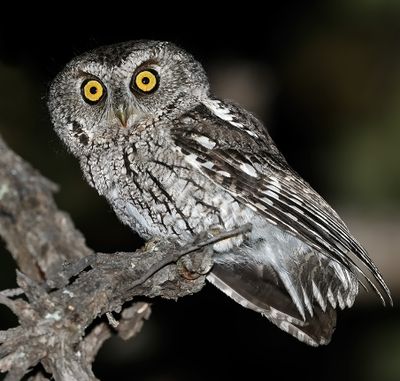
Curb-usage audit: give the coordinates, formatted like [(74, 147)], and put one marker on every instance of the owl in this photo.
[(174, 161)]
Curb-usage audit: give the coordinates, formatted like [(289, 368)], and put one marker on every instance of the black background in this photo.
[(207, 336)]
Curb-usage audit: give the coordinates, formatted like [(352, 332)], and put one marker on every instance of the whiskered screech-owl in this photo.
[(174, 161)]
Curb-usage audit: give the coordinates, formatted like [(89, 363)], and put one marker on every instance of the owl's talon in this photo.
[(185, 273), (196, 264)]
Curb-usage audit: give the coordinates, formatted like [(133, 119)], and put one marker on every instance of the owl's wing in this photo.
[(290, 283), (229, 147)]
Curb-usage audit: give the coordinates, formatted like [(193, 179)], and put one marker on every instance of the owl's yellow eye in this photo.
[(146, 81), (92, 91)]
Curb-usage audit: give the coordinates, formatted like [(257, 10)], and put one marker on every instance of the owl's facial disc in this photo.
[(119, 89)]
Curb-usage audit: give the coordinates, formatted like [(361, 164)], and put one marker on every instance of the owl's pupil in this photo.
[(145, 80), (93, 90)]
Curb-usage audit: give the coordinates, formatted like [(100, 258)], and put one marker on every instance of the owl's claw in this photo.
[(195, 265)]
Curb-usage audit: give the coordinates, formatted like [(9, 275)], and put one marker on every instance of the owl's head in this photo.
[(112, 89)]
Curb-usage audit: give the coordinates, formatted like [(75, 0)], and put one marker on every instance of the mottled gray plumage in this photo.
[(174, 161)]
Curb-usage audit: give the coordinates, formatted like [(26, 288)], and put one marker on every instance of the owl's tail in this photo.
[(297, 291)]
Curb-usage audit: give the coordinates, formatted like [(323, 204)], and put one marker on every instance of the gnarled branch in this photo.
[(65, 286)]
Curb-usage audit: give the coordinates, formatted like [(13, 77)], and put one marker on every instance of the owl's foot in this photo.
[(196, 264)]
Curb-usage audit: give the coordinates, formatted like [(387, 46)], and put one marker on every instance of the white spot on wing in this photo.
[(274, 181), (252, 133), (192, 160), (267, 201), (205, 142), (224, 173), (249, 169), (208, 164), (294, 218), (295, 208), (271, 194), (224, 113), (219, 110), (273, 188)]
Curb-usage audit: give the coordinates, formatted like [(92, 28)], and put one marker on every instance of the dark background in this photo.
[(325, 78)]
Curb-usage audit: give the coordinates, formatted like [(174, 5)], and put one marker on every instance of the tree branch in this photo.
[(66, 286)]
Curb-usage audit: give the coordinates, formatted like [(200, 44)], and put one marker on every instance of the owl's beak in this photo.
[(122, 113)]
